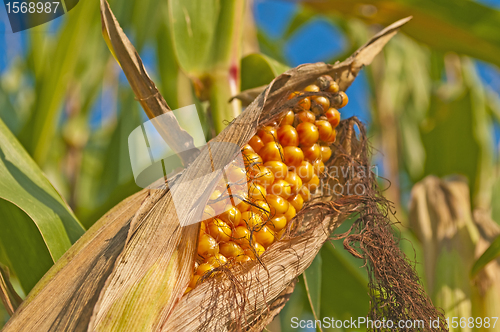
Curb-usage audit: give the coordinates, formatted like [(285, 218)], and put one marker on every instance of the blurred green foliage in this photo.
[(67, 103)]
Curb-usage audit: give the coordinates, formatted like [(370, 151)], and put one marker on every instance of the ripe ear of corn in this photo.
[(282, 166)]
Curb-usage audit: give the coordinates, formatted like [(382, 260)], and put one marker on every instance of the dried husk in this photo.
[(130, 270)]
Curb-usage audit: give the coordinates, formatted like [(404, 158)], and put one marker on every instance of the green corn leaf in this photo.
[(207, 40), (457, 126), (224, 64), (117, 168), (116, 181), (271, 47), (168, 68), (37, 225), (22, 243), (495, 199), (312, 282), (145, 20), (490, 254), (193, 25), (340, 291), (297, 307), (55, 69), (344, 284), (258, 70)]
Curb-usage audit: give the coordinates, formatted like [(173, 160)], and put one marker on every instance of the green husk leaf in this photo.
[(493, 252), (259, 70)]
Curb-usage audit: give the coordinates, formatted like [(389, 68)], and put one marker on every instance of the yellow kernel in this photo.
[(251, 219), (334, 87), (236, 174), (308, 133), (281, 188), (305, 171), (194, 280), (204, 268), (277, 204), (288, 119), (256, 192), (219, 230), (311, 152), (288, 136), (241, 199), (247, 148), (312, 88), (231, 216), (305, 193), (333, 116), (290, 213), (277, 223), (207, 246), (313, 184), (243, 258), (264, 176), (295, 182), (326, 153), (320, 104), (256, 143), (319, 167), (208, 213), (325, 129), (297, 201), (268, 134), (264, 236), (252, 159), (293, 155), (345, 100), (306, 116), (261, 208), (217, 260), (242, 235), (304, 103), (218, 201), (230, 249), (257, 248), (279, 169), (203, 228), (272, 151)]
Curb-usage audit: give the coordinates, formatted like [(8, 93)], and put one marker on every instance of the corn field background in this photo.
[(430, 100)]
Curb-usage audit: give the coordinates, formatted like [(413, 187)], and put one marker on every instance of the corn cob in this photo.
[(283, 164)]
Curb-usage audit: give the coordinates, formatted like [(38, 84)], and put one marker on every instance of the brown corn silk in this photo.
[(130, 270)]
